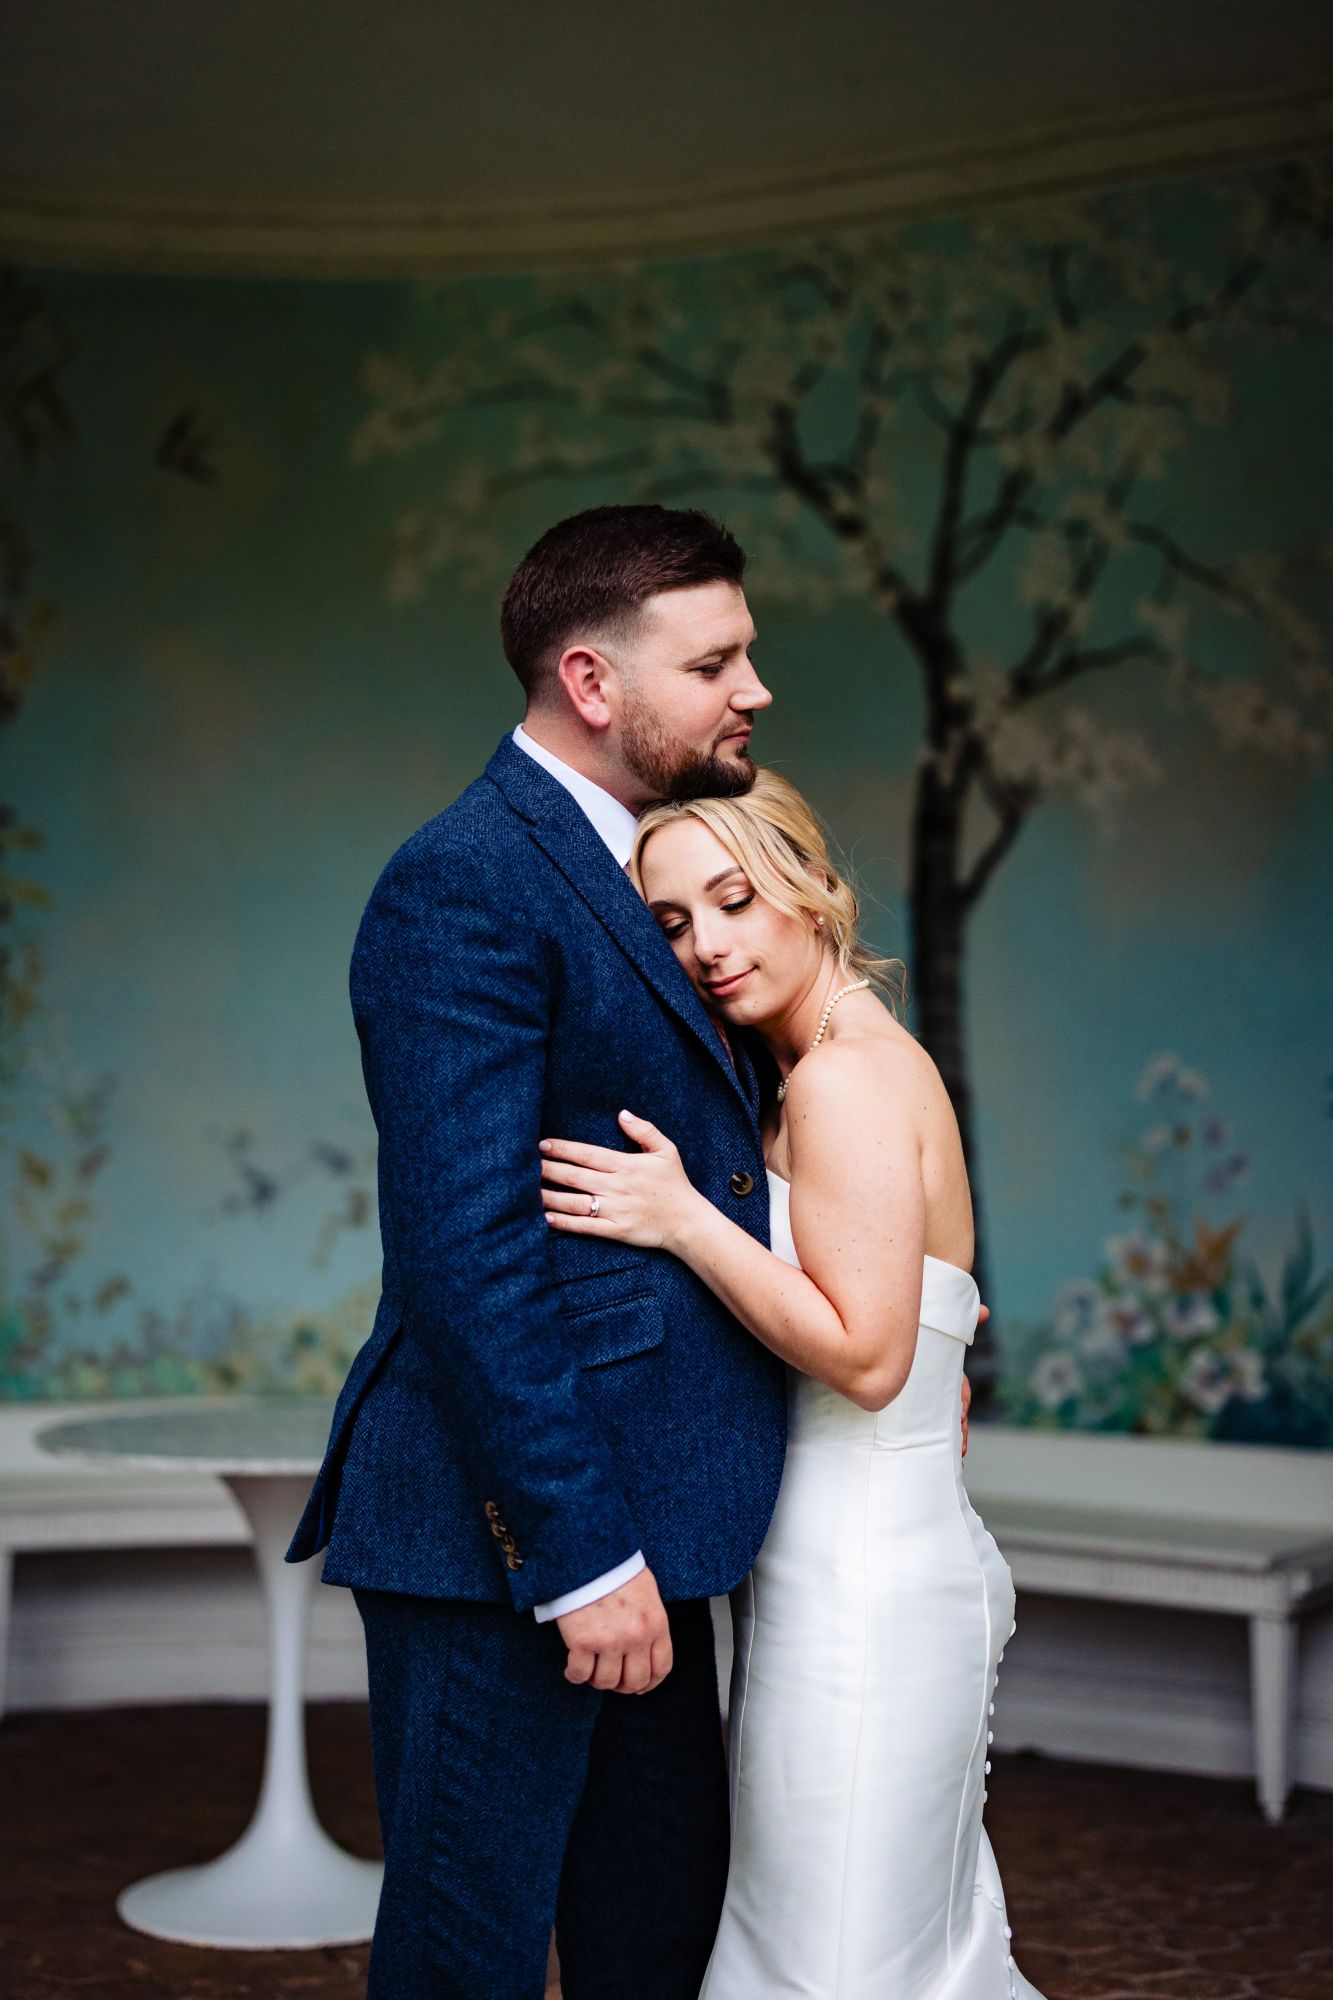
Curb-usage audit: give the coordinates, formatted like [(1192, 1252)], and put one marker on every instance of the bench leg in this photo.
[(1272, 1679), (6, 1598)]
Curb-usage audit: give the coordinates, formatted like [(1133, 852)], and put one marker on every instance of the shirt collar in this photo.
[(614, 822)]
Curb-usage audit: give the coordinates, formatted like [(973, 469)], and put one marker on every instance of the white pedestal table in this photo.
[(284, 1883)]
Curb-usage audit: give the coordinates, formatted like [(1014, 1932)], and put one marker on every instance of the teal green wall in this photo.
[(232, 723)]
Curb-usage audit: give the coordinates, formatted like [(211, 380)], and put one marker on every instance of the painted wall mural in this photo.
[(1042, 537), (1179, 1331)]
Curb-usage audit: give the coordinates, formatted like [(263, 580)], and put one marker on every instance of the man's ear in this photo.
[(584, 674)]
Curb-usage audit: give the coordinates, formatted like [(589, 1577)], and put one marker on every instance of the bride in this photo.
[(869, 1632)]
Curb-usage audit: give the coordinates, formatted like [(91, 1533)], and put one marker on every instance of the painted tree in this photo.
[(966, 426), (34, 351), (48, 1208)]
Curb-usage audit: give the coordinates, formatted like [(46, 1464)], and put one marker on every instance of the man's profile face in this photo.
[(689, 693)]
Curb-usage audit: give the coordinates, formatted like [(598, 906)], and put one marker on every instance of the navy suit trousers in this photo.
[(511, 1801)]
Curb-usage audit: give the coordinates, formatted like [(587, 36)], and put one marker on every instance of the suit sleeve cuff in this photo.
[(588, 1593)]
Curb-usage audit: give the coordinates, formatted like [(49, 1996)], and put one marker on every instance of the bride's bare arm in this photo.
[(849, 1316)]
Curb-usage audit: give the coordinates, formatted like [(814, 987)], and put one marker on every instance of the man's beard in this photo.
[(671, 769)]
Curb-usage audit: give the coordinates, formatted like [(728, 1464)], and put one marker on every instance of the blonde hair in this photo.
[(777, 840)]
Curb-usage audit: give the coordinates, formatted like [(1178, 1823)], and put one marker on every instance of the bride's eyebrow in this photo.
[(724, 875)]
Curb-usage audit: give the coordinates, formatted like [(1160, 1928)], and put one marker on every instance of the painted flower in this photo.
[(1158, 1077), (1247, 1369), (1166, 1075), (1210, 1379), (1206, 1381), (1189, 1318), (1102, 1343), (1056, 1378), (1138, 1260), (1227, 1173), (1075, 1310), (1156, 1139), (1098, 1326), (1123, 1320)]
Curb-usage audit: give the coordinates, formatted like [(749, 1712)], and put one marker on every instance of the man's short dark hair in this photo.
[(590, 574)]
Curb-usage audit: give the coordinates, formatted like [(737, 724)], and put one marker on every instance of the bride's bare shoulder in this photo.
[(866, 1074)]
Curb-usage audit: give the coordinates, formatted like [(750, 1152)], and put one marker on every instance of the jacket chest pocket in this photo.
[(607, 1323)]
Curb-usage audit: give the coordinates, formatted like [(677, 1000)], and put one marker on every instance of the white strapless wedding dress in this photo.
[(867, 1638)]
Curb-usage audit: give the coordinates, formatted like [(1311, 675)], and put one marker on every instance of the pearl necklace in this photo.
[(829, 1005)]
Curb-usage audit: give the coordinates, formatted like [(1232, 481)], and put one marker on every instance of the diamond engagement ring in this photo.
[(596, 1208)]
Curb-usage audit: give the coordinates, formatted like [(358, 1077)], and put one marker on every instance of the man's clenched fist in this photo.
[(622, 1643)]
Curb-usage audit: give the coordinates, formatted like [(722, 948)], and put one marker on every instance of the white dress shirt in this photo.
[(617, 825)]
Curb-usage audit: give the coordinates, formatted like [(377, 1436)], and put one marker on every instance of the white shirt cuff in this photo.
[(588, 1593)]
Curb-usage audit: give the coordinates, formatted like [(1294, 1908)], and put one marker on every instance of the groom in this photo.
[(553, 1450)]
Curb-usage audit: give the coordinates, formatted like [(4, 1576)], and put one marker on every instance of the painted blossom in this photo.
[(1056, 1378), (1189, 1318), (1247, 1369), (1227, 1173), (1167, 1076), (1124, 1321), (1137, 1259), (1075, 1310), (1206, 1380), (1158, 1076), (1212, 1377)]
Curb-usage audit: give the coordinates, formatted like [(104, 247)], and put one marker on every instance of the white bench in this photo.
[(1236, 1529)]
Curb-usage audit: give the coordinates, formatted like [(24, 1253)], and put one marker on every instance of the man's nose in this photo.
[(751, 693)]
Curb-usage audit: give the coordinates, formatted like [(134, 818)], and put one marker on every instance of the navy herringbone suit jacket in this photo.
[(508, 983)]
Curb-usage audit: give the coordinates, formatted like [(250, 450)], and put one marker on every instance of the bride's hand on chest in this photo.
[(645, 1198)]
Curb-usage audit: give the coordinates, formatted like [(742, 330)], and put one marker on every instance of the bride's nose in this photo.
[(710, 943)]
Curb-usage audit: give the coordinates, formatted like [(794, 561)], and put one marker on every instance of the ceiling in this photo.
[(419, 134)]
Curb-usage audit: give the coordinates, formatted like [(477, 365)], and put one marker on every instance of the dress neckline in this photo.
[(943, 1262)]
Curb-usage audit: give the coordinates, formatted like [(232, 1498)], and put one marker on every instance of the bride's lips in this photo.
[(723, 987)]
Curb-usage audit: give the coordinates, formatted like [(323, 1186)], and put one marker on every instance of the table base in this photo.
[(285, 1884), (262, 1894)]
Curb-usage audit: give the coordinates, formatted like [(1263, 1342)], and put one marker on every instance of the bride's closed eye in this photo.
[(674, 929)]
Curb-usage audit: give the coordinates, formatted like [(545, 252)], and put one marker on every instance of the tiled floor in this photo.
[(1124, 1885), (1121, 1886)]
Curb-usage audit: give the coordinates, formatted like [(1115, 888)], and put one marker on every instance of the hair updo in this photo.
[(777, 840)]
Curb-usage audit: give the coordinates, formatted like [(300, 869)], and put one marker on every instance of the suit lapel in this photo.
[(745, 1069), (566, 835)]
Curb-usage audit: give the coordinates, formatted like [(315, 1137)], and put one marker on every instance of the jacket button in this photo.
[(741, 1182), (514, 1562), (492, 1511)]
